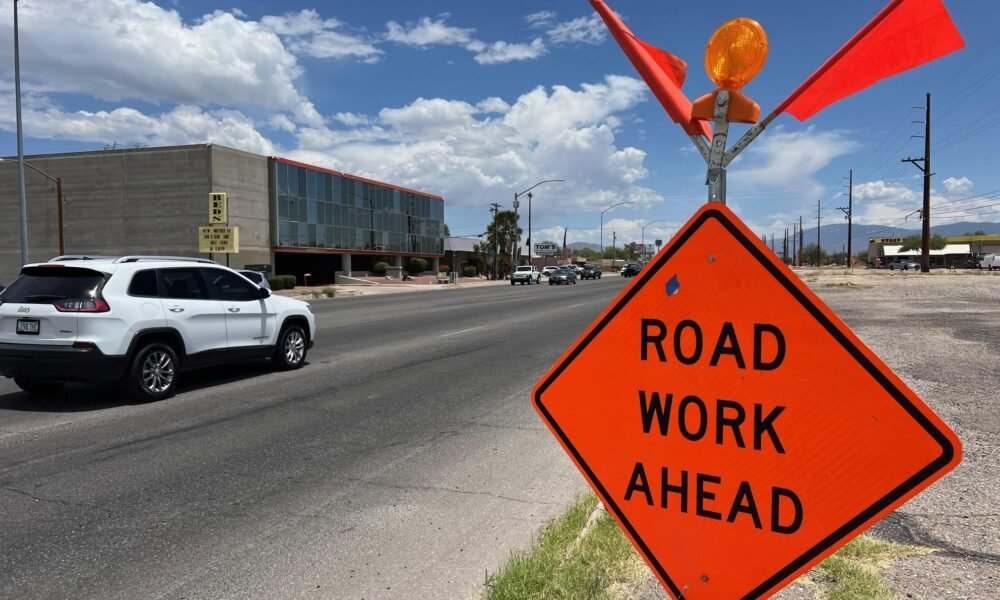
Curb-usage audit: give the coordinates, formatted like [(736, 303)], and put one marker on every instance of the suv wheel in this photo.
[(153, 375), (291, 350), (38, 388)]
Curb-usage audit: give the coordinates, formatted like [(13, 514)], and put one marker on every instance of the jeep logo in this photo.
[(23, 309)]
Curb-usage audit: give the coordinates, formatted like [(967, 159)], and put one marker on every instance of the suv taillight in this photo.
[(83, 305)]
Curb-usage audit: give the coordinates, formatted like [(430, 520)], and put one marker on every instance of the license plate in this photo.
[(27, 326)]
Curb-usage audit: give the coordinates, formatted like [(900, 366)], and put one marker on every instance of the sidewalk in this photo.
[(419, 284)]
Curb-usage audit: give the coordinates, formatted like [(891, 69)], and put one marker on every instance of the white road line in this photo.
[(577, 304), (462, 331)]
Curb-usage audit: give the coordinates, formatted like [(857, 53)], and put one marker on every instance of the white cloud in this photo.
[(309, 34), (282, 122), (505, 52), (123, 49), (183, 124), (582, 30), (884, 203), (790, 160), (470, 156), (542, 18), (427, 32), (493, 105), (351, 119), (957, 186)]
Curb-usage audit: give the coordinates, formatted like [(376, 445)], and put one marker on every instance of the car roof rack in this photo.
[(69, 257), (131, 259)]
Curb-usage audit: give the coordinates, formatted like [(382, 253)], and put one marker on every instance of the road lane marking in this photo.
[(462, 331)]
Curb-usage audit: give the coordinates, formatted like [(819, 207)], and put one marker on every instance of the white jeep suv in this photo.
[(140, 321), (526, 274)]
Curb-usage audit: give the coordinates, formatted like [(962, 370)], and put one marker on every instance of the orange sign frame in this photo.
[(732, 424)]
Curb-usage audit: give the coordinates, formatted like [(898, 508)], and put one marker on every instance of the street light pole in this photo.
[(20, 145), (643, 242), (516, 196), (600, 252), (59, 200)]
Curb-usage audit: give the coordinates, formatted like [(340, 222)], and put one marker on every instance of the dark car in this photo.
[(590, 272), (631, 270), (562, 276)]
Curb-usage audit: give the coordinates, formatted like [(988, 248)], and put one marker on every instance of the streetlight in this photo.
[(59, 203), (644, 233), (20, 145), (601, 249), (516, 196)]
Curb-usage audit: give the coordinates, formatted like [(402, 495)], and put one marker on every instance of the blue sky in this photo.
[(476, 100)]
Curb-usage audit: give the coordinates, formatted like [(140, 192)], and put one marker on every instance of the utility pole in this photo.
[(772, 241), (819, 248), (925, 213), (802, 240), (614, 247), (795, 239), (495, 208), (847, 211), (784, 249)]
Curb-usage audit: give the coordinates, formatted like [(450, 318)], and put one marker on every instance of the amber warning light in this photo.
[(735, 54)]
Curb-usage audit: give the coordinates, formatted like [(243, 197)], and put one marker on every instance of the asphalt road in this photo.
[(399, 463)]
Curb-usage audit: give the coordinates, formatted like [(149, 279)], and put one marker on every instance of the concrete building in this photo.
[(957, 252), (294, 218)]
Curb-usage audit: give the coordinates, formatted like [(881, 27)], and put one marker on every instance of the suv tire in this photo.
[(290, 353), (38, 388), (153, 375)]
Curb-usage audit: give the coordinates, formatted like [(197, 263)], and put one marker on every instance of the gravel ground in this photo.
[(940, 332)]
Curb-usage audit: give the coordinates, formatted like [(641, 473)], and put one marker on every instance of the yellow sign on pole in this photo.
[(218, 208), (220, 240)]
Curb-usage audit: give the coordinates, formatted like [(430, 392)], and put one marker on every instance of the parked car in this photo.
[(256, 277), (548, 270), (631, 270), (590, 272), (990, 262), (904, 265), (561, 276), (140, 322), (526, 274)]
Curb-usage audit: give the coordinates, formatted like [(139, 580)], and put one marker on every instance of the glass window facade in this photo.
[(324, 210)]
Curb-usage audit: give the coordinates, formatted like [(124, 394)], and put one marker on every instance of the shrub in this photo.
[(379, 268), (289, 281), (276, 283), (470, 272), (329, 292), (416, 266)]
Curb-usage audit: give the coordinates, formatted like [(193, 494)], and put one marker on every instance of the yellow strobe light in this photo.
[(736, 53)]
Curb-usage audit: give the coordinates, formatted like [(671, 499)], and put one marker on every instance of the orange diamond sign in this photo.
[(734, 426)]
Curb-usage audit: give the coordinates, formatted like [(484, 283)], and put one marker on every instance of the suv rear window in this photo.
[(48, 285), (143, 284)]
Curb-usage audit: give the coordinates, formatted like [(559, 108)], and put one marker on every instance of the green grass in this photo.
[(852, 573), (603, 565)]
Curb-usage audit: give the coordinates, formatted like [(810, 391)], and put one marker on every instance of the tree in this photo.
[(502, 234), (808, 255), (976, 232), (447, 230), (588, 254), (914, 242)]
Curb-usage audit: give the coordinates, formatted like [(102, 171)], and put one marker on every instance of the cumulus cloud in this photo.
[(468, 154), (882, 203), (309, 34), (184, 124), (961, 185), (504, 52), (427, 32), (128, 49)]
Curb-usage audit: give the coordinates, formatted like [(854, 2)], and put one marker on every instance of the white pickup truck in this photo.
[(527, 274)]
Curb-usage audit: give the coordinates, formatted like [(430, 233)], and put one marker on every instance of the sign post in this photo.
[(755, 433)]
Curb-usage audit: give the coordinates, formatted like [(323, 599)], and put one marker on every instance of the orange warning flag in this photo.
[(663, 72), (906, 34)]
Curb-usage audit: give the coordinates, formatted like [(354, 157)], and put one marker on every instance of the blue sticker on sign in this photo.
[(673, 286)]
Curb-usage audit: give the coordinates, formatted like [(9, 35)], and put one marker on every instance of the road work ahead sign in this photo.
[(735, 427)]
